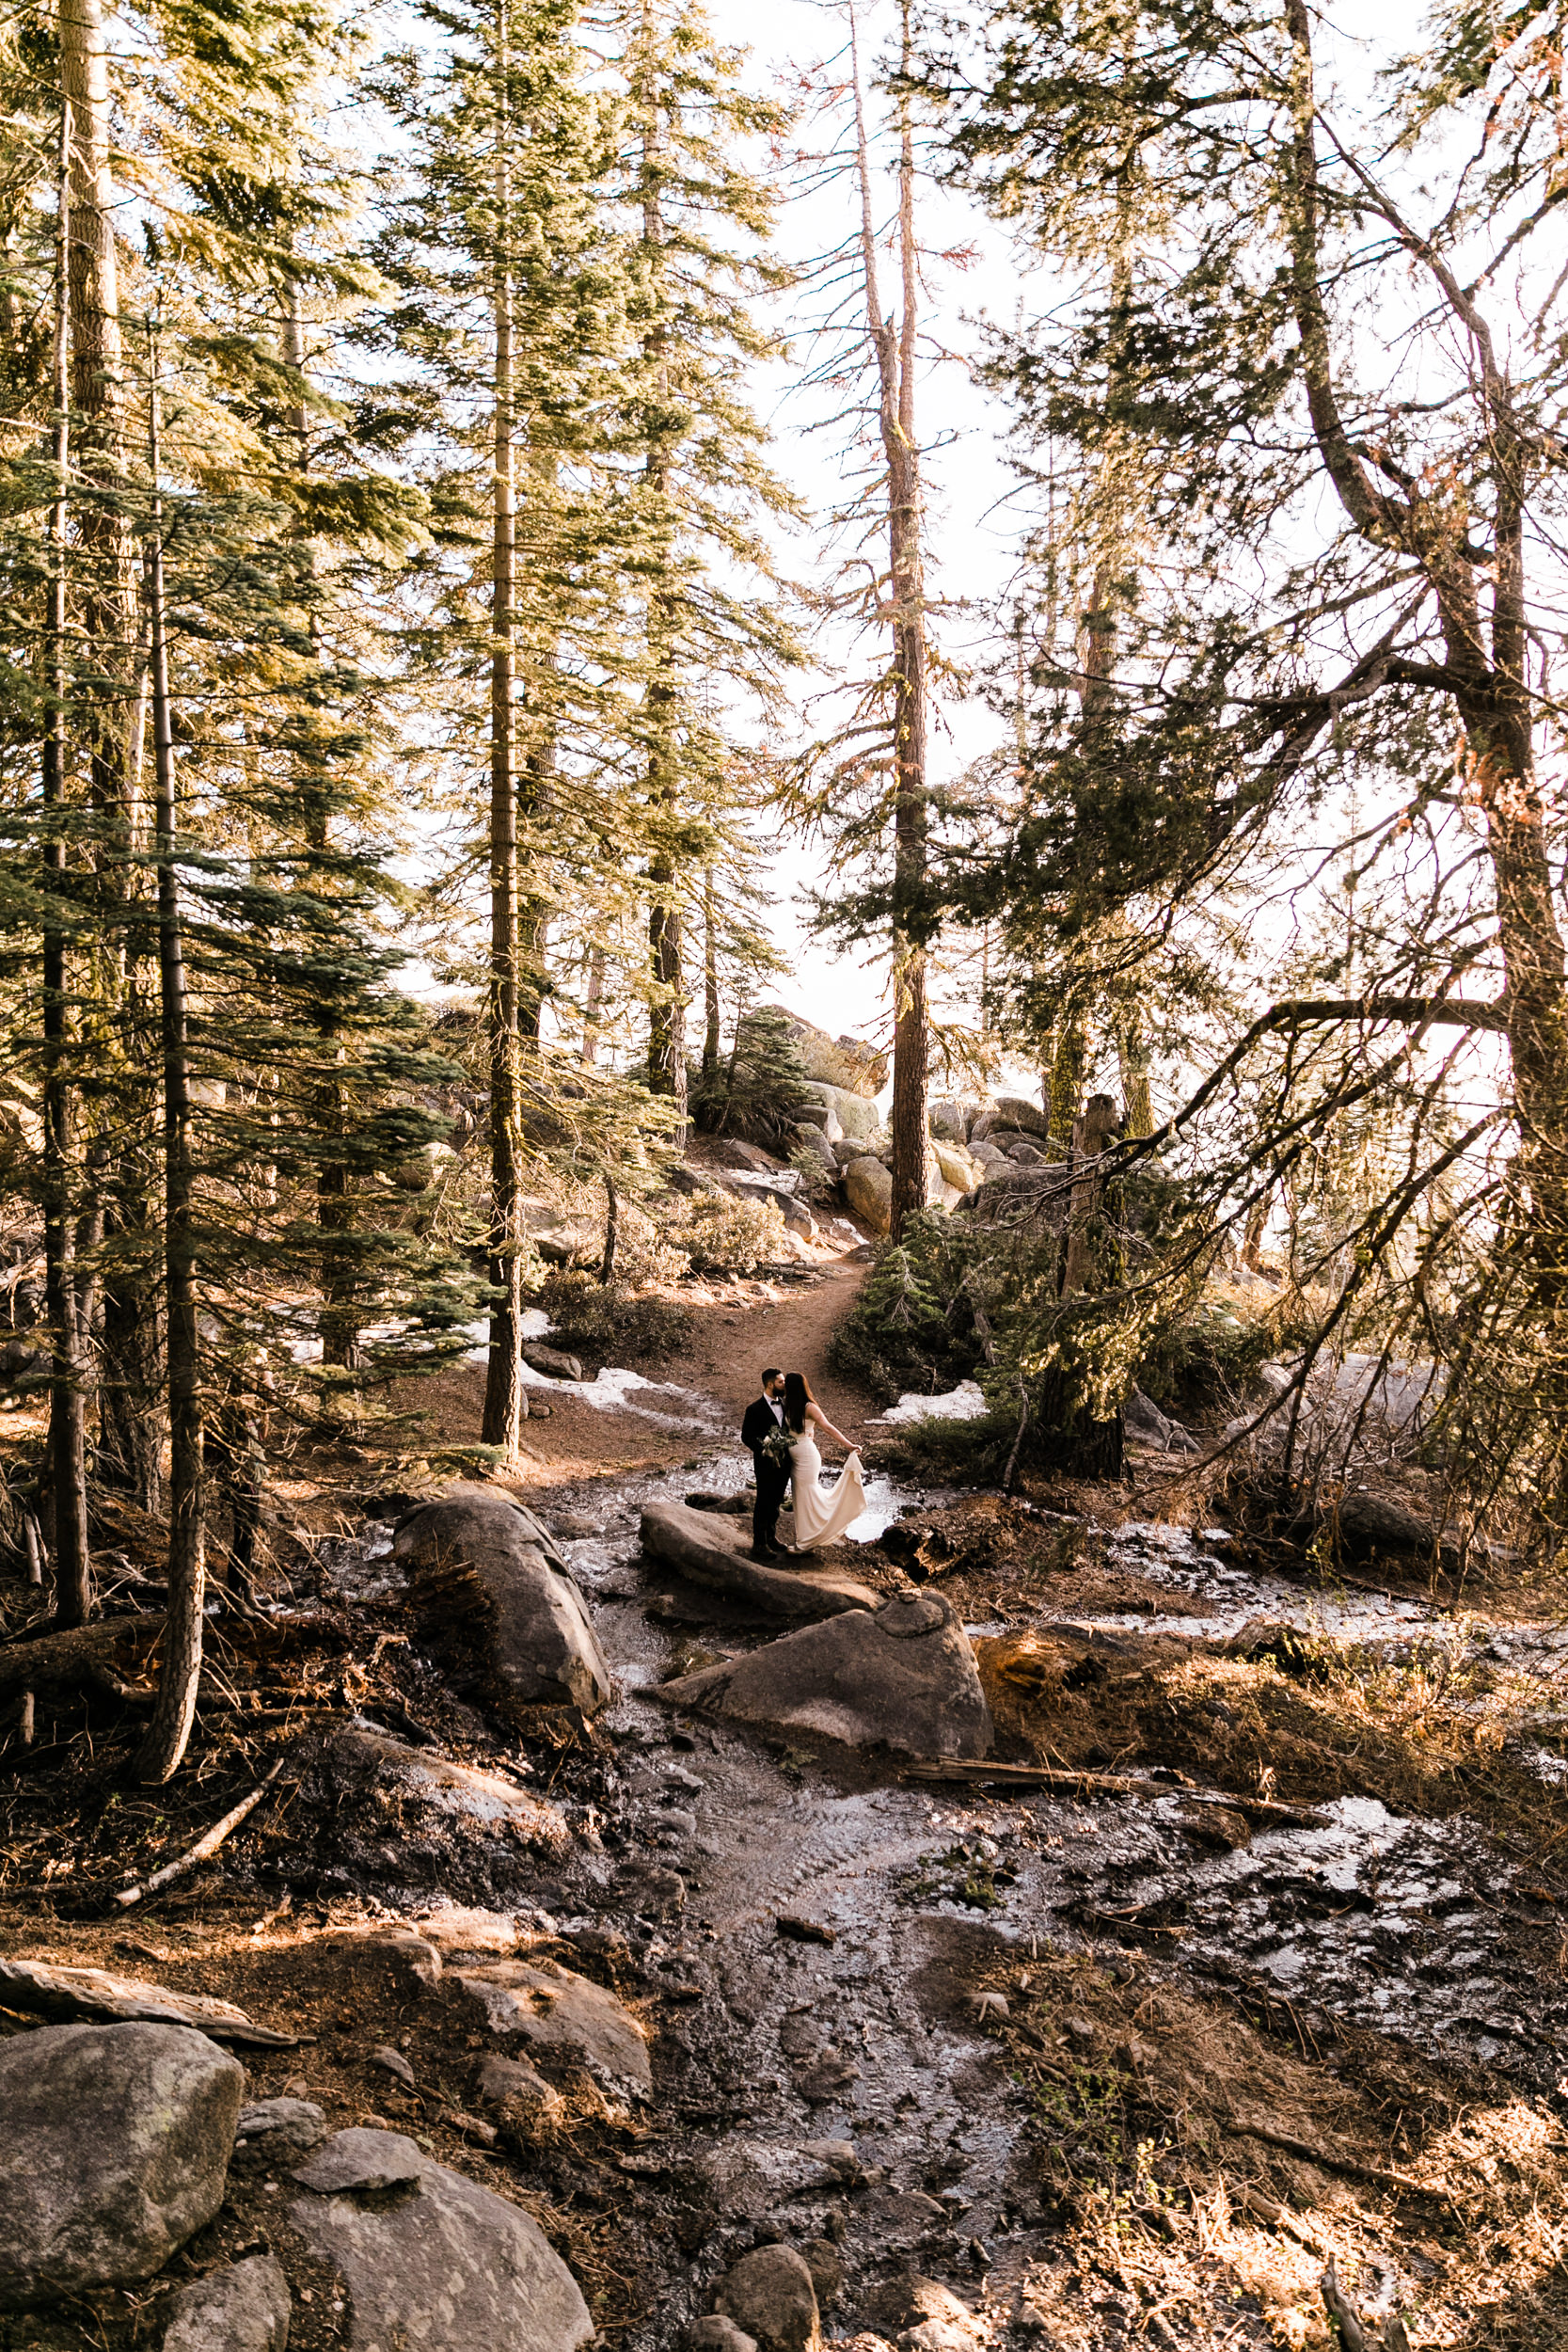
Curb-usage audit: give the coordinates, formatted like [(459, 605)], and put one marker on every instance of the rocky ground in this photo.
[(1106, 1935)]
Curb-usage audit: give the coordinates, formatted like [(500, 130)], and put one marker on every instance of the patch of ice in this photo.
[(964, 1403)]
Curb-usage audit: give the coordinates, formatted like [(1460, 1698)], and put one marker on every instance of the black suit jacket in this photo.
[(759, 1424)]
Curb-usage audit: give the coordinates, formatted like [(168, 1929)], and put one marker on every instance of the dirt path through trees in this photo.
[(788, 1323)]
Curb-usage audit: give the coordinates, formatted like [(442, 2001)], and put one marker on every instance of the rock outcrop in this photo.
[(429, 2257), (770, 2295), (245, 2307), (713, 1550), (902, 1679), (868, 1190), (114, 2151), (562, 2020), (846, 1063), (541, 1647)]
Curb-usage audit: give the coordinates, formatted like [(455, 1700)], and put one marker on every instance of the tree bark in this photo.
[(67, 1402), (505, 1397), (97, 384), (710, 981), (667, 1008), (893, 348), (174, 1712), (339, 1319)]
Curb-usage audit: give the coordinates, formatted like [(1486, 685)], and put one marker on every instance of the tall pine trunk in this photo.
[(710, 981), (339, 1319), (66, 1403), (667, 1008), (505, 1397), (894, 350), (174, 1712), (131, 1431)]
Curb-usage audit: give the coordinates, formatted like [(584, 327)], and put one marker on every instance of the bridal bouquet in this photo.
[(779, 1447)]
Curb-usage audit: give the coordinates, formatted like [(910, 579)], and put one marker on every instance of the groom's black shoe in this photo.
[(765, 1558)]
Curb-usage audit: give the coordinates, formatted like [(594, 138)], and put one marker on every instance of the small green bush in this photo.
[(1206, 1356), (724, 1232), (760, 1093), (913, 1327), (600, 1320)]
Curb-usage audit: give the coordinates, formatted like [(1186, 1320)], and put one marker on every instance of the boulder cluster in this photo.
[(124, 2142)]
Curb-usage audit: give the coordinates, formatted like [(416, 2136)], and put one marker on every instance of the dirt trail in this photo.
[(1109, 2065), (737, 1330)]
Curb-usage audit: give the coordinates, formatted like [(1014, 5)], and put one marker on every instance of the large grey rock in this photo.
[(819, 1143), (713, 1550), (746, 2179), (781, 1189), (769, 2295), (114, 2152), (84, 1996), (433, 2262), (275, 2130), (949, 1119), (717, 2334), (903, 1679), (921, 2315), (541, 1644), (1010, 1112), (848, 1064), (561, 2018), (868, 1190), (824, 1119), (954, 1165), (856, 1113), (1143, 1421), (244, 2308), (553, 1361)]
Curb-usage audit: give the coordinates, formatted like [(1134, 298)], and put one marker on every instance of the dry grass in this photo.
[(1146, 2098)]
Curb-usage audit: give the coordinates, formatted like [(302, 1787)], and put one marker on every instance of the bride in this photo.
[(818, 1517)]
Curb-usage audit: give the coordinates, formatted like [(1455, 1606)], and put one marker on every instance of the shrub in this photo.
[(599, 1319), (760, 1093), (724, 1232), (913, 1327)]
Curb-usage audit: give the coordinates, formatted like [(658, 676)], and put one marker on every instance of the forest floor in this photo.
[(1262, 1974)]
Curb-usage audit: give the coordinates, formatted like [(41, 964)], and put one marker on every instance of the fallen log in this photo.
[(71, 1995), (115, 1646), (1114, 1784), (1352, 2165), (203, 1847)]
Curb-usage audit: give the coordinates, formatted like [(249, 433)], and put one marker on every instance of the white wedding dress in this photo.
[(819, 1516)]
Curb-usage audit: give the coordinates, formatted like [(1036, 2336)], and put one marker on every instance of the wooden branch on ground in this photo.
[(203, 1847), (1252, 2200), (1115, 1784), (1350, 2165), (1353, 2336)]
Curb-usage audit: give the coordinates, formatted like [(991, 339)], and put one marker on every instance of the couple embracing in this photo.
[(781, 1430)]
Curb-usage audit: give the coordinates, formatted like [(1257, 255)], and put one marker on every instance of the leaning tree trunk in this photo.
[(66, 1403), (1483, 673), (505, 1397), (174, 1712)]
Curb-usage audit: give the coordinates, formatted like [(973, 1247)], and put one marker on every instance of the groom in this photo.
[(763, 1416)]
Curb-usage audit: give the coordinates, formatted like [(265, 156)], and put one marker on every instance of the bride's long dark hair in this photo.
[(797, 1396)]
